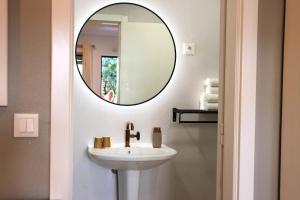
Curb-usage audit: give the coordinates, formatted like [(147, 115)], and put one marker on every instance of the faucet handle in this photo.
[(138, 135)]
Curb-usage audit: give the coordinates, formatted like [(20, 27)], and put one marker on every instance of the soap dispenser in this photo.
[(156, 137)]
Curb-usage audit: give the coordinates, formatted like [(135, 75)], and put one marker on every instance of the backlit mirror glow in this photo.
[(125, 54)]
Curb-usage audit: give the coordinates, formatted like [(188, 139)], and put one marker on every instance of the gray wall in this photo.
[(270, 36), (192, 174), (24, 163)]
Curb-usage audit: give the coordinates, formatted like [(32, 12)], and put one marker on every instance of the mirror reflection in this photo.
[(125, 54)]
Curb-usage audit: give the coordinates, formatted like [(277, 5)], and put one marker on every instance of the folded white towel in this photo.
[(214, 82), (211, 90), (209, 98), (209, 106)]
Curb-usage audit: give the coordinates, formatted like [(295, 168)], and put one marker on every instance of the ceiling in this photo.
[(100, 28)]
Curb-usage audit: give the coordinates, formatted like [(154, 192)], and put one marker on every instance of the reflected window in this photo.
[(109, 78)]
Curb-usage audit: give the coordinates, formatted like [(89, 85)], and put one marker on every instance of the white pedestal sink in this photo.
[(129, 161)]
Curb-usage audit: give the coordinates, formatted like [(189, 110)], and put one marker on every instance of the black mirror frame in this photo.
[(175, 59)]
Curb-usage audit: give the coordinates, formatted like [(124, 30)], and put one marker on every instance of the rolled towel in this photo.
[(209, 106), (211, 90), (209, 98), (213, 82)]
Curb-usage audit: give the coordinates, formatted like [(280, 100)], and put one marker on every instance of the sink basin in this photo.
[(139, 156), (128, 161)]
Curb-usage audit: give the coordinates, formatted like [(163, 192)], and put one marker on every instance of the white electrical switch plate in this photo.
[(189, 49), (26, 125)]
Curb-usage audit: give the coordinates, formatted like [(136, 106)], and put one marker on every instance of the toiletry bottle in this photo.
[(156, 137)]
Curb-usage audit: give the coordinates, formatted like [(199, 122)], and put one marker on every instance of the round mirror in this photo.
[(125, 54)]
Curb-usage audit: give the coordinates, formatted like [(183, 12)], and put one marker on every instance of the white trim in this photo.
[(220, 142), (3, 53), (237, 98), (247, 97), (240, 97), (61, 164)]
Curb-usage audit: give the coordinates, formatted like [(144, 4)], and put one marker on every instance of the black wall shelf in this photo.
[(192, 111)]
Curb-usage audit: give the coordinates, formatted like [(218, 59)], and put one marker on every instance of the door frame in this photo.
[(237, 118), (239, 111), (3, 51), (62, 62)]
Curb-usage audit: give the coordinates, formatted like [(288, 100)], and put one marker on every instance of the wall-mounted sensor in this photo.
[(189, 49)]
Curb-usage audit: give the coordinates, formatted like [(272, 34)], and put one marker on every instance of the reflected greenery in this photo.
[(109, 74)]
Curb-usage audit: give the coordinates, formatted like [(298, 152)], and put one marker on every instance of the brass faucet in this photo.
[(128, 135)]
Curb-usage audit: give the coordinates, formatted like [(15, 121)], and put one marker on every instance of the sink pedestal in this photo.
[(128, 161), (128, 184)]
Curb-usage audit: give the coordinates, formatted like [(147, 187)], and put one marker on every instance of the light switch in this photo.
[(26, 125), (189, 49), (22, 125), (29, 125)]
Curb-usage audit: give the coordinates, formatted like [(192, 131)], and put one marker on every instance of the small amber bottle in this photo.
[(156, 137), (98, 142), (106, 142)]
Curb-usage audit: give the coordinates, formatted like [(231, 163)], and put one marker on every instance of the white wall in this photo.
[(147, 61), (191, 175)]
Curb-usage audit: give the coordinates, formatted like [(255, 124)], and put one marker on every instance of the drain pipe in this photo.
[(115, 171)]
